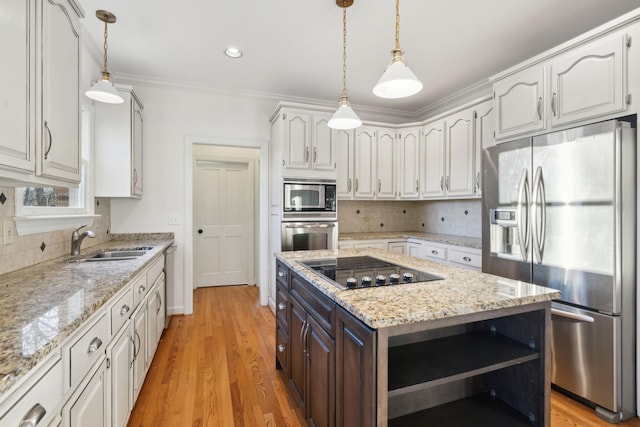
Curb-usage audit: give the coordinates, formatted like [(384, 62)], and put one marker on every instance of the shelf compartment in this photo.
[(465, 412), (444, 360)]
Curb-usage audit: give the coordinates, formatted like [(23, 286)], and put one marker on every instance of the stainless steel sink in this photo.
[(113, 255)]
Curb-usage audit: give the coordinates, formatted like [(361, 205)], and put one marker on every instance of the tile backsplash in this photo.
[(34, 248), (457, 217)]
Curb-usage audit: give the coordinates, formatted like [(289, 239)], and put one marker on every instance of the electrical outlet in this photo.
[(174, 220), (8, 232)]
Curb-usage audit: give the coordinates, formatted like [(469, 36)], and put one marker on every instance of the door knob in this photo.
[(199, 230)]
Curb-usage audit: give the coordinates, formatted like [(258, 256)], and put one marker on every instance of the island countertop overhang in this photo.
[(461, 292)]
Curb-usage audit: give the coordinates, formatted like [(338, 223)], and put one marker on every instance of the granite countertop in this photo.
[(462, 291), (449, 239), (43, 304)]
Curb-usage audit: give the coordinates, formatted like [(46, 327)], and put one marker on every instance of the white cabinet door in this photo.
[(344, 141), (119, 378), (484, 126), (152, 324), (414, 249), (323, 154), (59, 134), (140, 345), (297, 139), (589, 82), (385, 163), (432, 152), (365, 155), (88, 408), (519, 102), (409, 163), (459, 154), (136, 150), (397, 247), (17, 94)]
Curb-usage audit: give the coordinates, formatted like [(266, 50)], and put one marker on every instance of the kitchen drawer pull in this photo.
[(33, 417), (539, 108), (553, 104), (434, 252), (467, 259), (141, 289), (46, 153), (282, 306), (281, 273), (315, 155), (94, 345), (417, 185), (282, 348), (159, 302), (379, 185), (442, 183), (349, 185), (572, 316), (357, 185), (124, 310), (306, 154)]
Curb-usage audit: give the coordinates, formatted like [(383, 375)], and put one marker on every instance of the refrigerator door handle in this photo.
[(539, 233), (572, 316), (524, 233)]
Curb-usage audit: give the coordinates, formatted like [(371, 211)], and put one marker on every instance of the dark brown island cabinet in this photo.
[(488, 366)]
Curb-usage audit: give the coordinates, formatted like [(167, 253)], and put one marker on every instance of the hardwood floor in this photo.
[(216, 368)]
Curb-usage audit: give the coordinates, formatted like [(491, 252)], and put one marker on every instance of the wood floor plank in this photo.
[(216, 368)]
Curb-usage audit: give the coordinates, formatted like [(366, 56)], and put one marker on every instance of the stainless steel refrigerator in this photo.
[(559, 210)]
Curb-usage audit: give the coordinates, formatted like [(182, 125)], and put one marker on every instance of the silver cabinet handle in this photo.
[(282, 306), (442, 183), (124, 310), (141, 289), (302, 328), (379, 185), (357, 185), (315, 155), (434, 252), (94, 345), (417, 186), (539, 108), (46, 153), (477, 180), (572, 316), (349, 186), (133, 359), (159, 302), (306, 154), (33, 417), (282, 348), (446, 183), (467, 259), (281, 274), (553, 104), (135, 176)]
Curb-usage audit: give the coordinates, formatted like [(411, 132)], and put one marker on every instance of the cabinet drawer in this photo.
[(154, 271), (140, 289), (88, 348), (39, 400), (121, 310), (282, 305), (282, 349), (319, 305), (282, 274), (436, 252), (465, 258)]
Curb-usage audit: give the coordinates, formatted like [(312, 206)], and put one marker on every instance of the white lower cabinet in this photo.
[(120, 378), (397, 247), (414, 248), (153, 309), (87, 405), (139, 320)]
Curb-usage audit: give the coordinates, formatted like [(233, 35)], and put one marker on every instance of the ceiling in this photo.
[(293, 49)]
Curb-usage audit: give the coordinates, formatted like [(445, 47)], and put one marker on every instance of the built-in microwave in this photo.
[(309, 199)]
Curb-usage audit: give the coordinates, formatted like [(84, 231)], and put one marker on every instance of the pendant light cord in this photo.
[(344, 48), (397, 24), (106, 46)]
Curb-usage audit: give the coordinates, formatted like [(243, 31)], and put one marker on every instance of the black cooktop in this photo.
[(365, 271)]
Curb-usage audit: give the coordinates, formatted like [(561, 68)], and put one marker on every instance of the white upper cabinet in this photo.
[(432, 154), (364, 159), (459, 157), (17, 88), (520, 104), (484, 127), (119, 147), (309, 145), (344, 158), (60, 130), (590, 81), (40, 93), (409, 163), (385, 163)]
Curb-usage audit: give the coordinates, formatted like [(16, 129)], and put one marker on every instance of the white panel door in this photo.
[(323, 153), (222, 220), (484, 126), (385, 164), (409, 163), (432, 161), (365, 155), (344, 158), (459, 154)]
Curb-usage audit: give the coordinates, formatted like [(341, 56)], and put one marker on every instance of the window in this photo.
[(43, 209)]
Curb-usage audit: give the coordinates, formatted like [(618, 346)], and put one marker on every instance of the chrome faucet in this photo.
[(77, 238)]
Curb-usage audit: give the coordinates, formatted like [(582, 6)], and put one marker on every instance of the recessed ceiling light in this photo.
[(233, 52)]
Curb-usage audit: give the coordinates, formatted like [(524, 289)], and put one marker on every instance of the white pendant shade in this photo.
[(398, 81), (104, 91), (344, 118)]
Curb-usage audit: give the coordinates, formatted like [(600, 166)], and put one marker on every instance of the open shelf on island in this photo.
[(469, 412), (438, 361)]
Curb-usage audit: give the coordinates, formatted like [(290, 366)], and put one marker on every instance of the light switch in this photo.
[(8, 232), (174, 220)]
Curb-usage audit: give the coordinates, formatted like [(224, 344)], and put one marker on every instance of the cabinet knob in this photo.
[(124, 310), (282, 348), (434, 252), (282, 306), (141, 289), (467, 259), (280, 273)]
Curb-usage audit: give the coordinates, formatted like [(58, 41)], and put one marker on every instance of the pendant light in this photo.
[(103, 90), (398, 81), (344, 117)]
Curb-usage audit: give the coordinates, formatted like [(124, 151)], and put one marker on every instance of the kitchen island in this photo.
[(443, 352)]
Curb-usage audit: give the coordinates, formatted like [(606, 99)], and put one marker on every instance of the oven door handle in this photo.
[(311, 225)]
